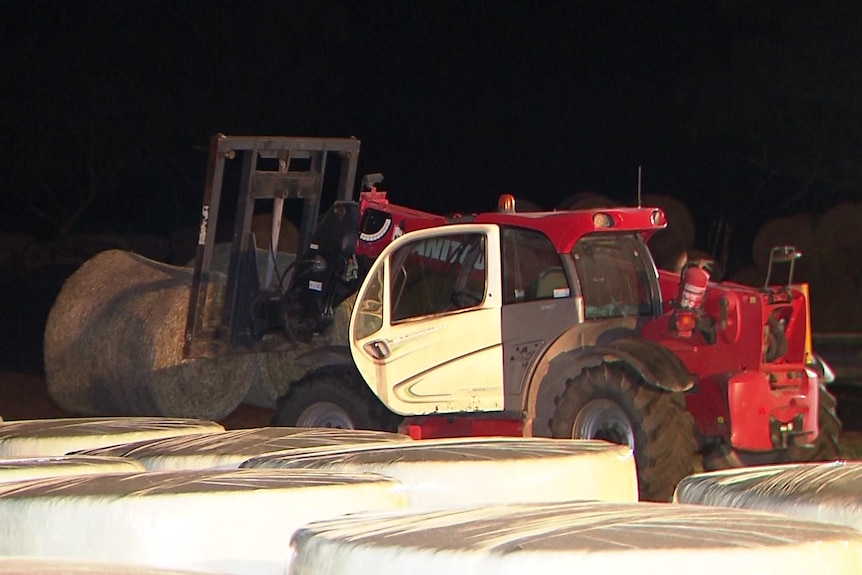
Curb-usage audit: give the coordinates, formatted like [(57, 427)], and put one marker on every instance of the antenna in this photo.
[(640, 173)]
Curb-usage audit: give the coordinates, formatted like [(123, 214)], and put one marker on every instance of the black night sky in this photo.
[(743, 110)]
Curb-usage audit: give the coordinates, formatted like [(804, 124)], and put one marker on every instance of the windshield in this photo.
[(614, 275)]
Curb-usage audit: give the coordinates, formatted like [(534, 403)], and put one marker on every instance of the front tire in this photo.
[(333, 396), (611, 402)]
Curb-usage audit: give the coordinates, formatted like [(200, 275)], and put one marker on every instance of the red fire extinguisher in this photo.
[(692, 290)]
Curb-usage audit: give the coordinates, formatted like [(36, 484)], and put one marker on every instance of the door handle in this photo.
[(377, 349)]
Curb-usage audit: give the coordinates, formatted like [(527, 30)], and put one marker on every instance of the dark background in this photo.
[(745, 111)]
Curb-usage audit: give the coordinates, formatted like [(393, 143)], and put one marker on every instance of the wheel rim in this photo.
[(325, 414), (604, 419)]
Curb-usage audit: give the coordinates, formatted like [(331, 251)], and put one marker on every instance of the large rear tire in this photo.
[(333, 396), (611, 402)]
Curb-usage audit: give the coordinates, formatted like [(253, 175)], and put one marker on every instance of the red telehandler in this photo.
[(553, 324)]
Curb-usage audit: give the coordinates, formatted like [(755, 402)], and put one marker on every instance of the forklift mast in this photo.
[(262, 172)]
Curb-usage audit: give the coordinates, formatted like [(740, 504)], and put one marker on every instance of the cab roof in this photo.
[(564, 228)]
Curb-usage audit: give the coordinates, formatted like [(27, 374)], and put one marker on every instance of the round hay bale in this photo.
[(835, 302), (679, 263), (184, 245), (184, 242), (838, 233), (288, 237), (114, 339), (797, 231), (278, 369), (585, 200), (749, 276), (78, 248), (282, 270), (836, 287), (524, 205), (668, 244)]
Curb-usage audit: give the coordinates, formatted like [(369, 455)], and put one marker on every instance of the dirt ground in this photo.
[(25, 396)]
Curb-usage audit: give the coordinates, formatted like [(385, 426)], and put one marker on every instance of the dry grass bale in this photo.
[(836, 286), (835, 302), (78, 248), (279, 369), (839, 233), (668, 244), (523, 205), (184, 245), (797, 231), (749, 276), (585, 200), (691, 256), (275, 370), (282, 269), (288, 236), (184, 242), (113, 345)]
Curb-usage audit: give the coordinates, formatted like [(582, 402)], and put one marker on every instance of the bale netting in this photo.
[(278, 369), (184, 242), (282, 263), (275, 370), (668, 245), (114, 340), (288, 237)]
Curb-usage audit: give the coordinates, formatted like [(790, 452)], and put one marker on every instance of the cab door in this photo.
[(425, 332)]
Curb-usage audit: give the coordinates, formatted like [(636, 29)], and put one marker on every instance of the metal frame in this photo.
[(782, 254), (203, 340)]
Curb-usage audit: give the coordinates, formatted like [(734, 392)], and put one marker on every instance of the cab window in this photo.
[(435, 275), (369, 315), (613, 273), (532, 269)]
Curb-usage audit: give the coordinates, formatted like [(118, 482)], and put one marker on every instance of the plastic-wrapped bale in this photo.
[(60, 566), (40, 437), (21, 468), (232, 521), (451, 472), (230, 449), (830, 492), (114, 343), (575, 537)]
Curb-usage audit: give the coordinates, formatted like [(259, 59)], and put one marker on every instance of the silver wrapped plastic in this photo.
[(830, 492)]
